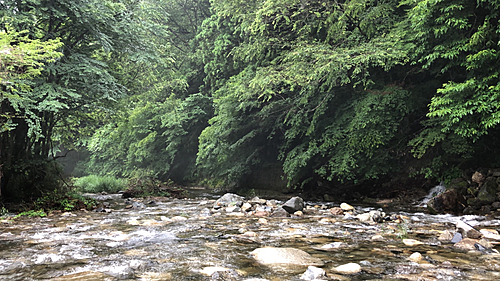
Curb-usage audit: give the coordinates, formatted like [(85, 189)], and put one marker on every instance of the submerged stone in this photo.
[(349, 268), (284, 256), (313, 273)]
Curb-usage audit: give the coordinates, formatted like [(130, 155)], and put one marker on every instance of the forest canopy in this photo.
[(238, 93)]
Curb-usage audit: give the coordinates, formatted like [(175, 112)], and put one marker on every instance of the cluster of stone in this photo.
[(478, 193)]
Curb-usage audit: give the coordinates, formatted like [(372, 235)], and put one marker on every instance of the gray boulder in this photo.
[(228, 199), (293, 205)]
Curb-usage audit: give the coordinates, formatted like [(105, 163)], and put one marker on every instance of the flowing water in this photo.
[(176, 239)]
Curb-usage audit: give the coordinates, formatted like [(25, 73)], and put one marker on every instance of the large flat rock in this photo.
[(284, 256)]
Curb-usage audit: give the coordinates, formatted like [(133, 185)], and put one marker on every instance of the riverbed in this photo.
[(187, 239)]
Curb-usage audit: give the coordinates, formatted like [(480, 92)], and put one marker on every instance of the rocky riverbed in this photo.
[(236, 238)]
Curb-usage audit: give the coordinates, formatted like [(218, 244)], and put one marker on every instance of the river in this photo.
[(184, 239)]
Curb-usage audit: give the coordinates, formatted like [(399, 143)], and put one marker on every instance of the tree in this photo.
[(71, 92), (458, 42), (322, 91)]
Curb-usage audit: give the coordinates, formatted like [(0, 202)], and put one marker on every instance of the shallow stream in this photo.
[(176, 239)]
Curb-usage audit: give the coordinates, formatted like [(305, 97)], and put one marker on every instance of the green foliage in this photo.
[(63, 199), (96, 184), (459, 40), (32, 213), (311, 95), (3, 212)]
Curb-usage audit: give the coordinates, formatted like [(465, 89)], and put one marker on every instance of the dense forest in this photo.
[(247, 94)]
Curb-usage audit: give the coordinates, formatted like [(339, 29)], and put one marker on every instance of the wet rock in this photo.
[(467, 230), (119, 272), (178, 218), (377, 216), (337, 211), (446, 236), (495, 205), (412, 242), (227, 275), (212, 269), (415, 257), (378, 237), (205, 212), (233, 209), (346, 207), (490, 234), (456, 238), (313, 273), (478, 177), (265, 214), (483, 249), (284, 256), (487, 192), (248, 238), (449, 201), (138, 205), (333, 246), (364, 217), (257, 201), (229, 199), (86, 275), (298, 213), (272, 203), (293, 205), (466, 244), (280, 213), (246, 207), (349, 268)]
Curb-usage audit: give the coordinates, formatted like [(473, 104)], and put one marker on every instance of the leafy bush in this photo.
[(96, 184), (32, 213)]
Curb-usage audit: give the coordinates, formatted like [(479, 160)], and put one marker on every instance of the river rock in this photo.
[(488, 191), (229, 199), (257, 201), (293, 205), (284, 256), (449, 201), (457, 237), (490, 234), (85, 275), (337, 211), (466, 244), (333, 246), (227, 275), (495, 205), (313, 273), (467, 230), (246, 207), (233, 209), (138, 205), (415, 257), (364, 217), (346, 207), (478, 177), (445, 236), (349, 268), (119, 272), (412, 242), (280, 213), (212, 269)]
